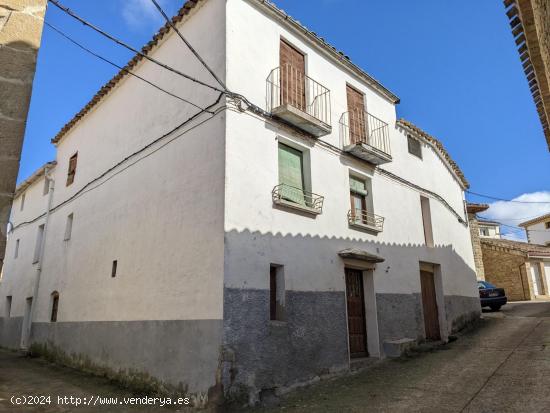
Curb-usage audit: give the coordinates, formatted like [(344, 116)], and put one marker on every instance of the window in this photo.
[(72, 169), (277, 293), (55, 305), (38, 246), (427, 221), (22, 202), (484, 232), (291, 174), (8, 306), (415, 148), (68, 227), (46, 188), (16, 253), (547, 225), (114, 268), (358, 198)]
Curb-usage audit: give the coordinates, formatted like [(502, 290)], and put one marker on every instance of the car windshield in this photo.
[(484, 284)]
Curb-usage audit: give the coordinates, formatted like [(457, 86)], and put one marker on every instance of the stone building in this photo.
[(530, 23), (284, 229), (475, 234), (20, 33), (522, 269)]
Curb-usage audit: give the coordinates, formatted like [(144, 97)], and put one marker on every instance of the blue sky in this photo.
[(456, 71)]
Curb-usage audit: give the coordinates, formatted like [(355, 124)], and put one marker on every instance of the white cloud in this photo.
[(141, 13), (514, 213)]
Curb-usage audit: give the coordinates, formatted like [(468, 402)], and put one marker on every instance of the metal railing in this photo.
[(286, 85), (362, 217), (358, 127), (287, 194)]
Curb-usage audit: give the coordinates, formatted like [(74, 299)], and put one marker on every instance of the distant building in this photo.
[(489, 229), (538, 230), (530, 23), (522, 269), (475, 235)]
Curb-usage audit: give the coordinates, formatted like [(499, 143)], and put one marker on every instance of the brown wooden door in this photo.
[(293, 71), (429, 305), (356, 113), (357, 328)]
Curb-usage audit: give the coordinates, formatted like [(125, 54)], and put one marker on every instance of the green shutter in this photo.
[(291, 173), (358, 186)]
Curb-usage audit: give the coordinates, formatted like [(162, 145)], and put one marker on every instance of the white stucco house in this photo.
[(538, 230), (288, 230), (489, 229)]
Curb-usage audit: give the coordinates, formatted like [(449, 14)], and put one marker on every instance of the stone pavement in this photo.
[(502, 366)]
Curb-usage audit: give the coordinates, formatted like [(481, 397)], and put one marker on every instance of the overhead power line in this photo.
[(125, 45), (197, 55), (66, 36), (507, 200)]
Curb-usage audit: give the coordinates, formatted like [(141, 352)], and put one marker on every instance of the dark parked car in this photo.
[(491, 296)]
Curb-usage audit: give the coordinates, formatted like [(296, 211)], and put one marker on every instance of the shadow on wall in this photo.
[(313, 340)]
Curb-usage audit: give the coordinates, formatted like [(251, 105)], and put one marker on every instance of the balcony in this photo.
[(296, 198), (364, 220), (366, 137), (299, 100)]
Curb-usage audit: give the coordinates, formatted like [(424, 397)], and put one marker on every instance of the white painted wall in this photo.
[(251, 173), (538, 233), (161, 217)]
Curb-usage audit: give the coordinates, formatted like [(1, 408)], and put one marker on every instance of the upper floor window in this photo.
[(415, 148), (484, 232), (38, 246), (72, 169), (427, 221), (68, 227), (22, 205), (358, 197), (55, 306)]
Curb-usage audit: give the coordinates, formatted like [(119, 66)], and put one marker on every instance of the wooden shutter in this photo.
[(292, 72), (356, 113), (291, 173), (72, 169)]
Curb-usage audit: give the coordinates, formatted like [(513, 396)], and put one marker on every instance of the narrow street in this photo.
[(504, 366)]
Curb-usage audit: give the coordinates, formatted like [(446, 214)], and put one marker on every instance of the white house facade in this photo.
[(538, 230), (489, 229), (291, 228)]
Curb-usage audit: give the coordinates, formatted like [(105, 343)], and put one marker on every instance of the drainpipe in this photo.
[(27, 332)]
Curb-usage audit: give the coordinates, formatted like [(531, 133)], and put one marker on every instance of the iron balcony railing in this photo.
[(286, 85), (364, 218), (292, 196), (359, 127)]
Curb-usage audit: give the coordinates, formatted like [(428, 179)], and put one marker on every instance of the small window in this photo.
[(547, 225), (8, 306), (72, 169), (55, 305), (358, 198), (16, 252), (114, 268), (38, 246), (415, 148), (22, 202), (277, 310), (68, 227), (427, 221), (484, 232), (46, 188)]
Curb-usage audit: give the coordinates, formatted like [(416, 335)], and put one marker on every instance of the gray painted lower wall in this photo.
[(461, 311), (399, 316), (263, 354), (10, 332), (182, 353)]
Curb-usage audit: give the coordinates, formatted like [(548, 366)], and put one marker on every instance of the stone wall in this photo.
[(20, 34), (506, 269), (476, 245)]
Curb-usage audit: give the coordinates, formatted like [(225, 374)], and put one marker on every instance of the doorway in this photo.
[(25, 332), (535, 276), (429, 306), (357, 325)]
